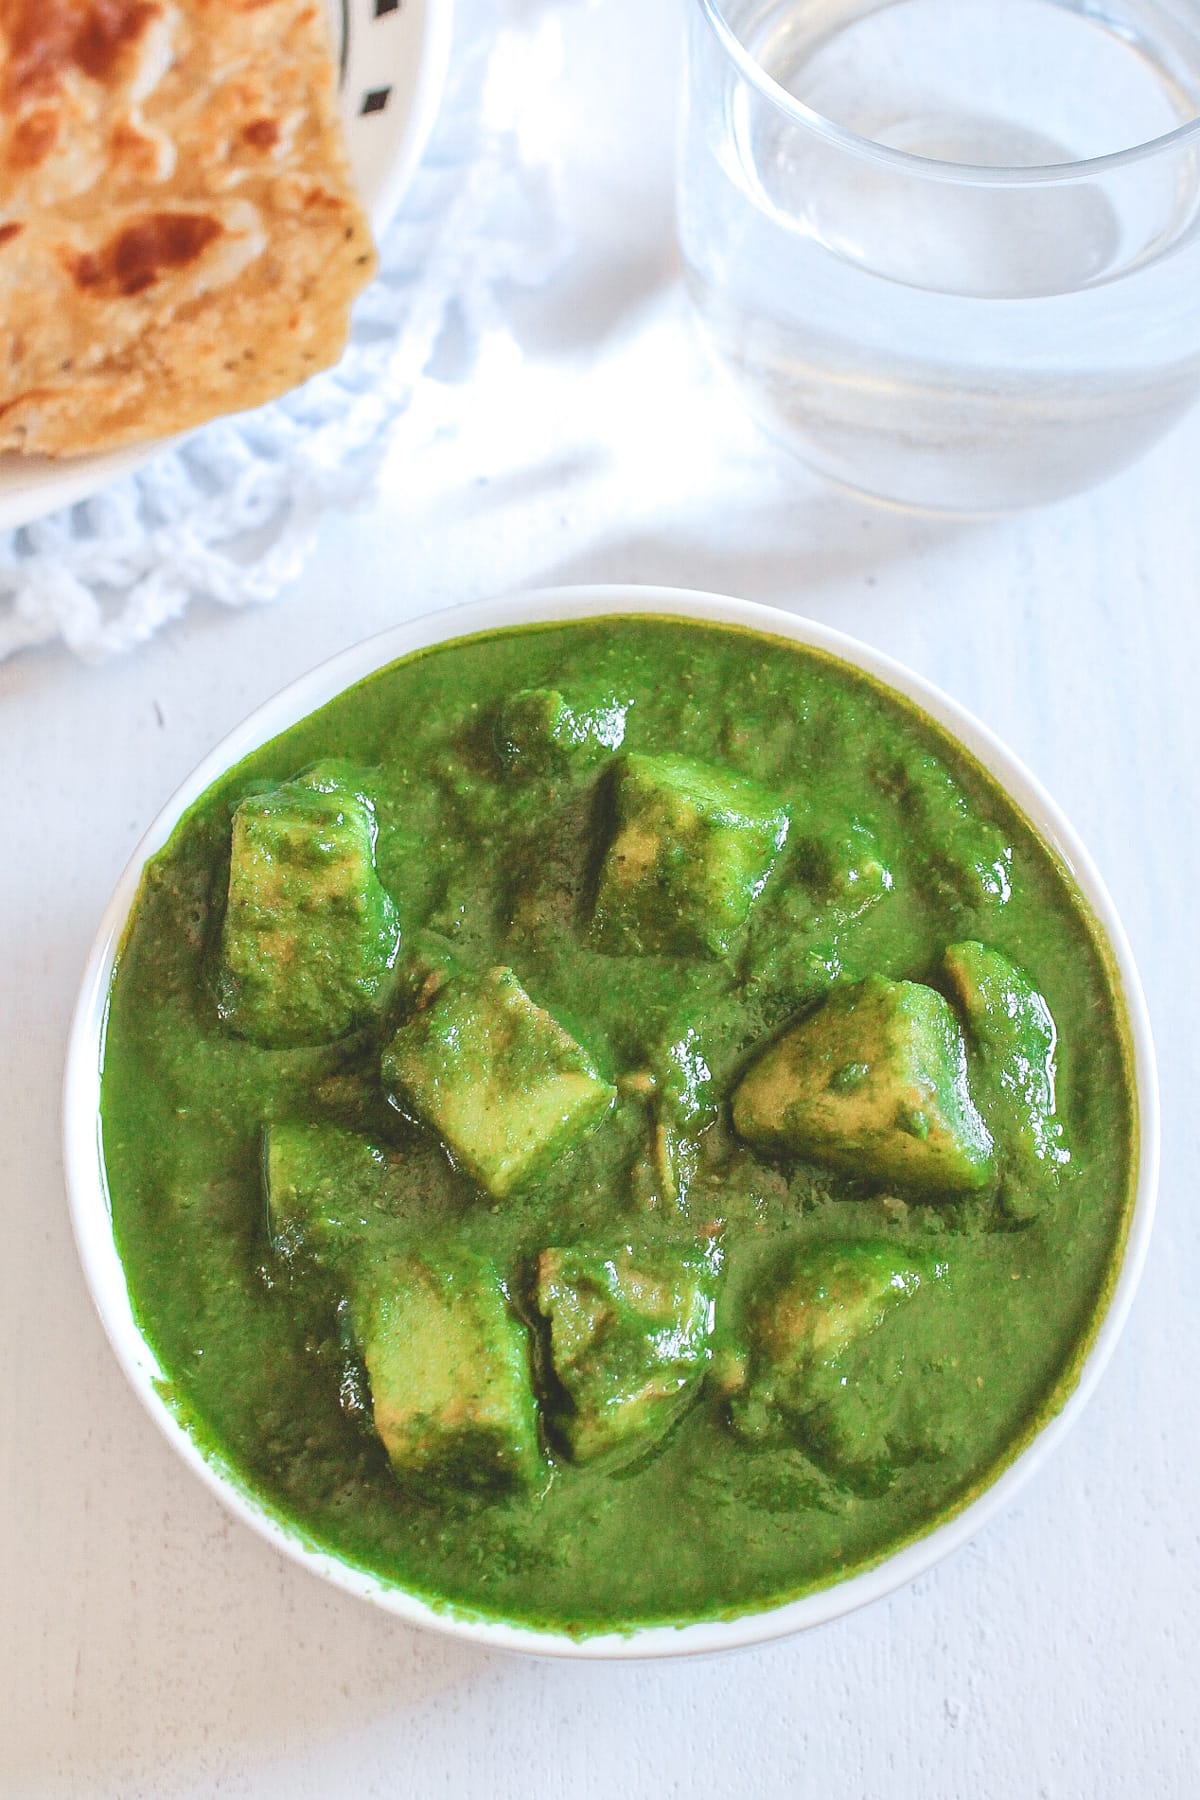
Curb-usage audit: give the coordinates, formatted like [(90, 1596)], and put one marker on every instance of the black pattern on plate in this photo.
[(344, 44)]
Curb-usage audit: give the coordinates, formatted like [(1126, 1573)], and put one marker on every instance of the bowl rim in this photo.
[(91, 1212)]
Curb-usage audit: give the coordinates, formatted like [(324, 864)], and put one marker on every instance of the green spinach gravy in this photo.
[(614, 1122)]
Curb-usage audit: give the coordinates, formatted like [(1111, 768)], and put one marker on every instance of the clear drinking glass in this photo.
[(949, 249)]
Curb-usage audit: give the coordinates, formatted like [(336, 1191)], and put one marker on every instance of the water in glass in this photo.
[(1005, 311)]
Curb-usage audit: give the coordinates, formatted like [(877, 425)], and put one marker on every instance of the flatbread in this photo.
[(179, 233)]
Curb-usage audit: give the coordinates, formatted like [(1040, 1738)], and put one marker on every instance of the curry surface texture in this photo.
[(707, 1522)]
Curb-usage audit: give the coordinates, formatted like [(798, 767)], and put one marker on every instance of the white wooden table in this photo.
[(150, 1646)]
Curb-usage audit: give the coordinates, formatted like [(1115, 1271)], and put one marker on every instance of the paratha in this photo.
[(179, 233)]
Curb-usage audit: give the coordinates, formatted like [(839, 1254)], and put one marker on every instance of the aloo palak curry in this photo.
[(614, 1122)]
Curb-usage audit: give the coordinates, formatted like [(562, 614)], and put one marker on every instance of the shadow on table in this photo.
[(594, 303), (808, 553)]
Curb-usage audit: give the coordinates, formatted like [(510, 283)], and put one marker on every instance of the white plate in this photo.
[(392, 57), (92, 1215)]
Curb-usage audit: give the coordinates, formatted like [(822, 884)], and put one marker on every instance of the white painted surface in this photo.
[(151, 1647)]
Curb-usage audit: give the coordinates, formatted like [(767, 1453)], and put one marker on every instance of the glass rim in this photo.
[(931, 168)]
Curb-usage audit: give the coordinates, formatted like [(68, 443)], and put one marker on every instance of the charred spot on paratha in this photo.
[(134, 259)]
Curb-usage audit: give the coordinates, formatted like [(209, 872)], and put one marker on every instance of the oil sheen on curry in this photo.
[(614, 1122)]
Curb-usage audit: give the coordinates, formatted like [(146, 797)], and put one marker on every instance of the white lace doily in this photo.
[(229, 513)]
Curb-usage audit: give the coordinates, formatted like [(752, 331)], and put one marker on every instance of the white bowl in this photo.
[(91, 1210)]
